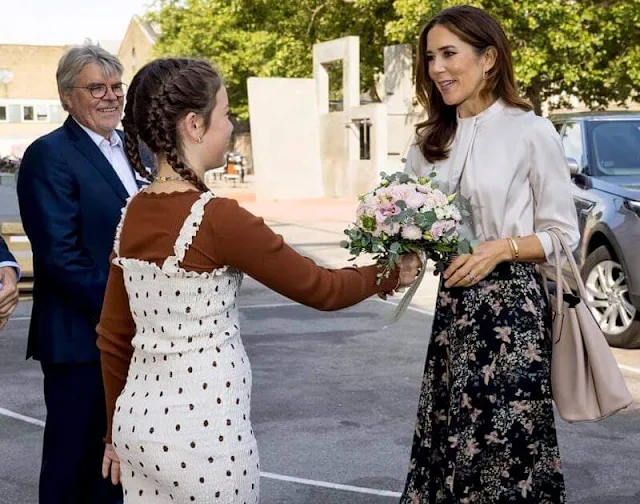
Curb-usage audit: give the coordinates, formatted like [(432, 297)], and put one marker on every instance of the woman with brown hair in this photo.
[(177, 378), (485, 430)]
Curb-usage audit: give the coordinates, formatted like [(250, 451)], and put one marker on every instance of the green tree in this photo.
[(268, 38), (216, 30), (585, 48)]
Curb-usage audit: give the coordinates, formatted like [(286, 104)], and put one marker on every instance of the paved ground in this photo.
[(8, 204), (334, 402), (334, 393)]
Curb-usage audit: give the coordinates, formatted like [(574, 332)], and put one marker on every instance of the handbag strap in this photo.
[(582, 290), (560, 284)]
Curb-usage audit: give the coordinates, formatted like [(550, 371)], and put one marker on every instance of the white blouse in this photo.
[(515, 176)]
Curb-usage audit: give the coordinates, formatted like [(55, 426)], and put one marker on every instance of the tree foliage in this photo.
[(268, 38), (585, 48)]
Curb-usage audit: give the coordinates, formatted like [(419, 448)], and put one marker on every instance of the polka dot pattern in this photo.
[(182, 424)]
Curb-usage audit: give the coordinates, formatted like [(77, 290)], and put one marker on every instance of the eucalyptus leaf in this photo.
[(464, 247)]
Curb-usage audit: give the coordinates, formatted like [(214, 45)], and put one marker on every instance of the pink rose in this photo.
[(386, 210), (408, 194), (439, 228)]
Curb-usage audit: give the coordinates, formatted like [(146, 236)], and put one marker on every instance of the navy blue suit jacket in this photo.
[(5, 255), (70, 200)]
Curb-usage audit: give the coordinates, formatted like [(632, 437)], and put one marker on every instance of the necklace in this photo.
[(171, 178)]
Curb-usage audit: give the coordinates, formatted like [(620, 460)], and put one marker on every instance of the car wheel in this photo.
[(609, 302)]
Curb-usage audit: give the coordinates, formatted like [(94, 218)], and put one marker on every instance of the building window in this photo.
[(14, 112), (364, 128), (56, 114), (3, 113), (42, 113), (28, 113), (38, 113)]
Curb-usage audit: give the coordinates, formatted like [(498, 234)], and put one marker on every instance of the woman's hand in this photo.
[(468, 269), (111, 464)]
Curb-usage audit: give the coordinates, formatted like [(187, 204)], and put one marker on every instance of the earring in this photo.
[(484, 75), (200, 139)]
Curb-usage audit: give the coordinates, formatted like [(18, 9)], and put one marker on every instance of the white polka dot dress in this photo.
[(181, 426)]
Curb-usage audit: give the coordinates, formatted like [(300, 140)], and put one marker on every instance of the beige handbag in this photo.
[(586, 382)]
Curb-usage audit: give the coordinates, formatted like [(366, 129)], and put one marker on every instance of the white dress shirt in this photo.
[(10, 264), (113, 150), (515, 176)]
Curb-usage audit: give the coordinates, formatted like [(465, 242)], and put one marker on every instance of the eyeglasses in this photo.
[(100, 90)]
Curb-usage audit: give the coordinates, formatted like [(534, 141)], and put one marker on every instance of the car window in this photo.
[(616, 147), (558, 126), (572, 142)]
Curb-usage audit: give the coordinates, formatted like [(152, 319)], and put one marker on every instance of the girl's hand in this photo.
[(410, 266), (111, 464)]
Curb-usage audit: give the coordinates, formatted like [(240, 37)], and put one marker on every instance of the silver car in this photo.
[(603, 153)]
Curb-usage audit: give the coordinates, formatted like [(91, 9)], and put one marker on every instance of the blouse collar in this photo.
[(487, 113)]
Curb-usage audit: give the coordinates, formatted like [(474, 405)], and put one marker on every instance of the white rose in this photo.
[(411, 233)]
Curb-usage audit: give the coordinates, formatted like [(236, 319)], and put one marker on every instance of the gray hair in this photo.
[(74, 60)]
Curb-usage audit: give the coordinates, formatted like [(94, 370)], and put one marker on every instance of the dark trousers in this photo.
[(73, 437)]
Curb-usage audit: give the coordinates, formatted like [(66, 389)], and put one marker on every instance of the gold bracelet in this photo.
[(515, 251)]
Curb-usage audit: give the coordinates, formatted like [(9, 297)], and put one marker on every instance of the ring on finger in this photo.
[(471, 276)]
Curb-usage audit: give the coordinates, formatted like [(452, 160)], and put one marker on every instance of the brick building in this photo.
[(136, 48), (29, 103)]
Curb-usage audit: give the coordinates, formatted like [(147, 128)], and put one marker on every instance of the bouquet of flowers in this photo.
[(404, 214)]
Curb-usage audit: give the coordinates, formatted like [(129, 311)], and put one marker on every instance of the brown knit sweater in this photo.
[(229, 235)]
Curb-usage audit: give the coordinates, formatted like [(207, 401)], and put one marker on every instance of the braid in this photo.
[(183, 170), (165, 92), (131, 148), (131, 137), (155, 124), (165, 138)]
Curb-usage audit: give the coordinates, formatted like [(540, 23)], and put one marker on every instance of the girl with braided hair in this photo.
[(177, 378)]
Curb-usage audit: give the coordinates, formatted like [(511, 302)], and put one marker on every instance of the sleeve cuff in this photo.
[(11, 264), (388, 284), (547, 245)]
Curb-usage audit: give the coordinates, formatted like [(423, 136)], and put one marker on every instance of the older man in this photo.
[(73, 183), (9, 275)]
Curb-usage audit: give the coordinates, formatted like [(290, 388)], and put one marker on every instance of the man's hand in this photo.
[(8, 294)]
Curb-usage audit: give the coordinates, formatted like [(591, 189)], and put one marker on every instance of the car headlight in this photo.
[(634, 206)]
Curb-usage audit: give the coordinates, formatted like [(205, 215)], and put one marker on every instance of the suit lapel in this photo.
[(90, 150)]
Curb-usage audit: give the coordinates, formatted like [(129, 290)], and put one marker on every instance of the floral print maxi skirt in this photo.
[(485, 431)]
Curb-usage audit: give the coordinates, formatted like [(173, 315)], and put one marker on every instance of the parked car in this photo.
[(603, 154)]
